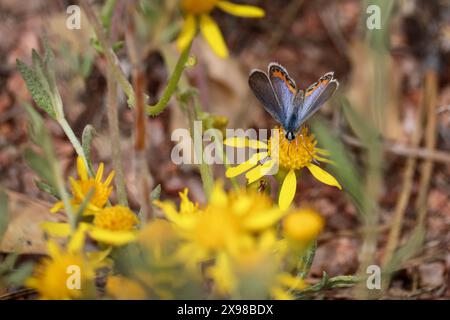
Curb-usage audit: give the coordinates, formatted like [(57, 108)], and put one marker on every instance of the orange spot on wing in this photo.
[(279, 74)]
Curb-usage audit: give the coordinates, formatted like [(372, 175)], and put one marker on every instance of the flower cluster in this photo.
[(236, 238)]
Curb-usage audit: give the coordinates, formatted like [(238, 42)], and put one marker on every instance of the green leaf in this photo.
[(19, 276), (410, 248), (40, 165), (37, 88), (4, 214), (307, 260), (8, 264), (82, 207), (47, 188), (344, 169), (156, 193), (86, 142), (368, 135)]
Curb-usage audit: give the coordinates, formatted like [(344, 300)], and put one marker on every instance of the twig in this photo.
[(111, 58), (113, 121), (431, 87), (402, 201), (402, 150), (145, 180)]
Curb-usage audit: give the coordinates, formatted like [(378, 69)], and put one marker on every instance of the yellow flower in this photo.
[(197, 15), (284, 284), (302, 226), (111, 225), (123, 288), (223, 223), (114, 225), (82, 186), (292, 157), (55, 277), (252, 271)]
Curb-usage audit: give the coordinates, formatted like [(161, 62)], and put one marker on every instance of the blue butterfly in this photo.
[(290, 106)]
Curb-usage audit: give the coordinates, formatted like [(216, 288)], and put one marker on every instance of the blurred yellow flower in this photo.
[(82, 186), (52, 276), (284, 284), (252, 271), (292, 157), (197, 15), (114, 226), (303, 225), (223, 223), (122, 288)]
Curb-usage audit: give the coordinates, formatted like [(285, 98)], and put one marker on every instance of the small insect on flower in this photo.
[(197, 15), (84, 184)]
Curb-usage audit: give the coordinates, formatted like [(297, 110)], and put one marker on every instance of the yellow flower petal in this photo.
[(259, 171), (187, 32), (116, 238), (263, 220), (240, 10), (245, 166), (211, 32), (98, 256), (287, 191), (218, 195), (77, 240), (244, 142), (281, 294), (291, 282), (323, 176), (56, 229), (99, 175), (53, 249), (81, 168), (58, 206)]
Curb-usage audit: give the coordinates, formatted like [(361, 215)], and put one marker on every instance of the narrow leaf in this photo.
[(4, 215)]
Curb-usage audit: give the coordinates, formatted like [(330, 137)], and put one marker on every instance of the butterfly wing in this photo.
[(315, 96), (264, 91), (293, 123), (284, 88)]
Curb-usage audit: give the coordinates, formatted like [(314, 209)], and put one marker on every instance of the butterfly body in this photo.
[(290, 106)]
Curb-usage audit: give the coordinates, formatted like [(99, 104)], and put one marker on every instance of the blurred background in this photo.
[(394, 80)]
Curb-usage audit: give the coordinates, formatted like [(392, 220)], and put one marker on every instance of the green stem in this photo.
[(75, 142), (307, 260), (113, 121), (120, 75), (171, 85)]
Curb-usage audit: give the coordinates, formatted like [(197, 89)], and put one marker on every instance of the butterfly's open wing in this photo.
[(293, 123), (315, 96), (284, 88), (263, 90)]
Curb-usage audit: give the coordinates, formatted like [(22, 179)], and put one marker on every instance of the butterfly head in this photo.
[(290, 135)]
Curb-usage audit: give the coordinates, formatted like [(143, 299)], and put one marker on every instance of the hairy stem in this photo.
[(113, 121)]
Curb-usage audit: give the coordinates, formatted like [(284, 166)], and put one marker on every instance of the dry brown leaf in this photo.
[(24, 235)]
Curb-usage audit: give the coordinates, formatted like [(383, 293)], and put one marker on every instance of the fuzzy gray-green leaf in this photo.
[(36, 88)]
